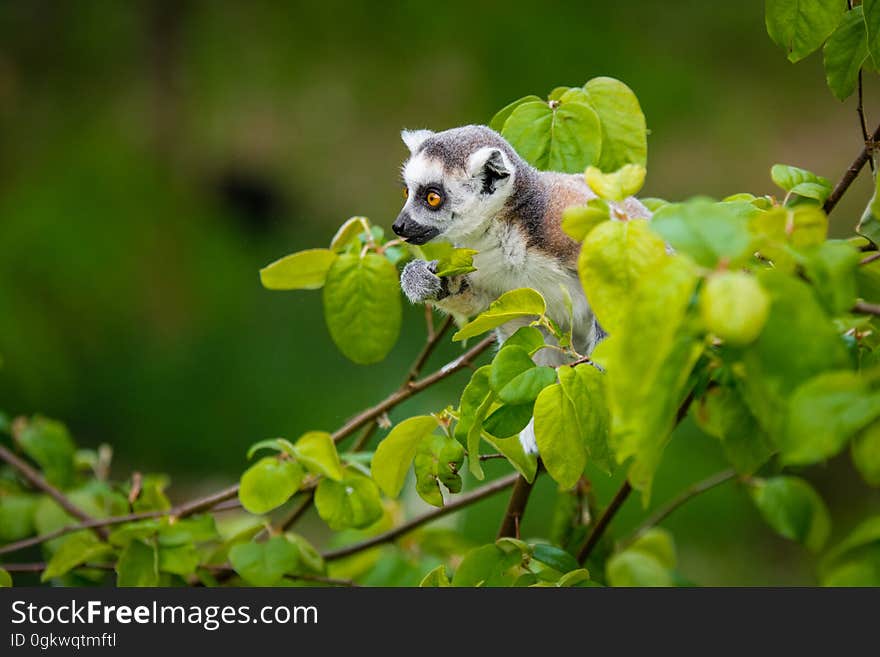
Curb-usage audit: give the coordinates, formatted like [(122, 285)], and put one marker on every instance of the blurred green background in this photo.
[(156, 154)]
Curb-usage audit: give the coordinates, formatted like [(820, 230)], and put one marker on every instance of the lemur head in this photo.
[(456, 182)]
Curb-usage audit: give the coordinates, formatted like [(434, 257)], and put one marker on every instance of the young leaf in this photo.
[(264, 564), (5, 579), (801, 182), (508, 420), (624, 133), (723, 414), (472, 397), (704, 230), (395, 453), (436, 578), (734, 307), (555, 136), (450, 260), (801, 26), (529, 338), (649, 561), (138, 565), (512, 449), (316, 451), (348, 232), (180, 560), (869, 224), (306, 270), (584, 385), (558, 436), (825, 412), (831, 267), (855, 561), (500, 118), (515, 377), (514, 304), (488, 565), (362, 306), (555, 557), (76, 549), (793, 509), (269, 483), (615, 256), (845, 52), (866, 454), (616, 186), (579, 220), (351, 503), (437, 461), (17, 516), (49, 444), (871, 9)]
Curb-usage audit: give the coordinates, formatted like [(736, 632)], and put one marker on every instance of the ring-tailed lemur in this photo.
[(468, 186)]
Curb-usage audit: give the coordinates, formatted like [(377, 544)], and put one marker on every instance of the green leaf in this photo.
[(437, 461), (512, 449), (264, 564), (395, 453), (351, 503), (624, 133), (515, 377), (845, 52), (555, 557), (722, 413), (138, 565), (869, 224), (615, 256), (734, 307), (49, 444), (648, 364), (529, 338), (451, 261), (798, 342), (780, 230), (5, 579), (196, 529), (436, 578), (558, 436), (871, 12), (508, 420), (76, 549), (649, 561), (351, 230), (801, 26), (616, 186), (309, 557), (866, 454), (825, 412), (514, 304), (556, 136), (317, 452), (579, 220), (472, 397), (704, 230), (269, 483), (306, 270), (474, 435), (584, 386), (500, 118), (16, 516), (362, 306), (831, 267), (855, 561), (793, 509), (278, 444), (488, 565), (801, 182), (179, 560)]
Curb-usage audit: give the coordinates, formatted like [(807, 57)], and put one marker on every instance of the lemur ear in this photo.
[(414, 138), (491, 165)]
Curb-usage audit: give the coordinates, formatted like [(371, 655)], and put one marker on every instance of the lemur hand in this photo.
[(420, 283)]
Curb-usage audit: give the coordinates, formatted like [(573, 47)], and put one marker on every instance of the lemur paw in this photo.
[(419, 282)]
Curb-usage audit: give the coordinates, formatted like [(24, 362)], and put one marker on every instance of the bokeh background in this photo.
[(154, 155)]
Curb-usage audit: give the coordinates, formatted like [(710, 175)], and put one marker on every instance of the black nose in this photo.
[(398, 227)]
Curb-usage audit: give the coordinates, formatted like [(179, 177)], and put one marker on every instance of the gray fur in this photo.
[(419, 283)]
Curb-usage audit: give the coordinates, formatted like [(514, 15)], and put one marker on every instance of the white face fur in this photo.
[(457, 204)]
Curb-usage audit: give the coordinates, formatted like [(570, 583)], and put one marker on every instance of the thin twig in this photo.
[(364, 438), (38, 481), (298, 512), (516, 507), (865, 308), (413, 388), (434, 338), (687, 494), (863, 124), (604, 520), (461, 502), (871, 258), (850, 174)]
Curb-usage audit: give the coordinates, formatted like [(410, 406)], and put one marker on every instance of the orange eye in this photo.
[(434, 199), (405, 192)]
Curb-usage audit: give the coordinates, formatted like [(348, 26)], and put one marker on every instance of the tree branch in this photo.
[(867, 308), (850, 174), (687, 494), (461, 502), (860, 109), (38, 481), (871, 258), (516, 507)]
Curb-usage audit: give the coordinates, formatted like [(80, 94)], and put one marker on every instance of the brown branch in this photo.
[(516, 507), (687, 494), (871, 258), (298, 512), (851, 173), (461, 502), (180, 511), (38, 481), (865, 308), (411, 389), (434, 338)]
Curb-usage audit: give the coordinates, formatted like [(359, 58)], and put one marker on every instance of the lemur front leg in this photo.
[(452, 294)]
